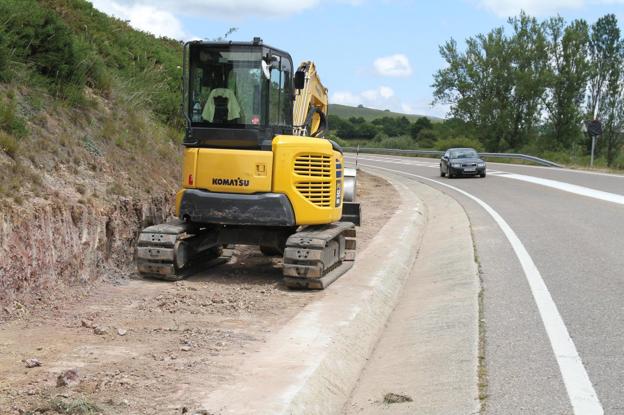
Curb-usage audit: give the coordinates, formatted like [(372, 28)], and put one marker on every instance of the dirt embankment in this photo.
[(75, 194), (45, 249), (144, 346)]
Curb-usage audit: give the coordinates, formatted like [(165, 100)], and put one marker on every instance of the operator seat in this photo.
[(221, 106)]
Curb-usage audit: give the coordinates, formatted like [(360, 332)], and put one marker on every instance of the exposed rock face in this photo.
[(54, 245)]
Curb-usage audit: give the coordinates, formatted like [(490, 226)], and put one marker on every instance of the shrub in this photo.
[(10, 121), (426, 138), (337, 140), (40, 37), (383, 141), (461, 141)]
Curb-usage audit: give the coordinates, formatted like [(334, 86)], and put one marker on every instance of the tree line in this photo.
[(399, 132), (531, 86)]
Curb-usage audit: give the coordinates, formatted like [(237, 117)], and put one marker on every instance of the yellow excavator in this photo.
[(256, 170)]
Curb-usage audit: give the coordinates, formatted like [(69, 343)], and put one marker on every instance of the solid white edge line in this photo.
[(575, 378)]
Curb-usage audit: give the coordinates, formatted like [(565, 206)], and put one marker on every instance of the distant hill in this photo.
[(369, 114)]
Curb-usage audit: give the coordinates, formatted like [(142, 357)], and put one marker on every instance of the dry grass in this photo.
[(8, 144), (115, 150)]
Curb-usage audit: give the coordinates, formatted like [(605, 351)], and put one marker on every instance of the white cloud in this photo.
[(394, 65), (386, 92), (159, 16), (375, 98), (384, 98), (506, 8), (233, 9), (144, 17), (346, 98)]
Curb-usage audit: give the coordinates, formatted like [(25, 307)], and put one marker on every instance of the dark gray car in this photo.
[(461, 162)]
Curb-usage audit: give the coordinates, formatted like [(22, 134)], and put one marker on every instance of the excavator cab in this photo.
[(237, 95), (256, 170)]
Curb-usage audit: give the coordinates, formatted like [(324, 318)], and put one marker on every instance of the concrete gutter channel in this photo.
[(312, 365)]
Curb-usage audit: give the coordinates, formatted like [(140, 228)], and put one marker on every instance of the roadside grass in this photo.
[(77, 406), (482, 372), (67, 406)]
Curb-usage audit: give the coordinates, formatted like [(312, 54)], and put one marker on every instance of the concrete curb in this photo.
[(311, 365)]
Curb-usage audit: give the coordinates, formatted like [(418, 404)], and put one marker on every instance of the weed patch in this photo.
[(8, 144)]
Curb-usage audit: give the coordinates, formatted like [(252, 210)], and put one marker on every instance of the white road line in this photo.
[(568, 187), (555, 184), (564, 169), (580, 389)]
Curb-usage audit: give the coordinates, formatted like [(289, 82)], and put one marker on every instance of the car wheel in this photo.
[(482, 175), (442, 174), (450, 175)]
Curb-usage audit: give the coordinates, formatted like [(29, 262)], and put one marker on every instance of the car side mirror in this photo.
[(299, 80), (444, 158)]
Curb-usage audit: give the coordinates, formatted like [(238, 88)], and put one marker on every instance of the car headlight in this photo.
[(481, 164), (456, 165)]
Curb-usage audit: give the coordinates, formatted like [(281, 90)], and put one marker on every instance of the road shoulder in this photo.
[(427, 354)]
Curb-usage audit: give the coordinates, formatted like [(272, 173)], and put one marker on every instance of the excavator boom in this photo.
[(311, 102)]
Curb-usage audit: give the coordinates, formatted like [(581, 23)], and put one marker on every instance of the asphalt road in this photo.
[(550, 243)]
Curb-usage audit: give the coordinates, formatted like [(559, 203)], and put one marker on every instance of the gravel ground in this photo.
[(133, 346)]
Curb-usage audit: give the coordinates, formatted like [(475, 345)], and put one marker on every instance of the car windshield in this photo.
[(464, 154)]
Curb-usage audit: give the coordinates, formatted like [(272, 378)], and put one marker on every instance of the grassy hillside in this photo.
[(88, 106), (369, 114)]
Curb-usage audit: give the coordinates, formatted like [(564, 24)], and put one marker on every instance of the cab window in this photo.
[(275, 93)]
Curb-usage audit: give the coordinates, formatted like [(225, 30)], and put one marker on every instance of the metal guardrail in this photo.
[(394, 151)]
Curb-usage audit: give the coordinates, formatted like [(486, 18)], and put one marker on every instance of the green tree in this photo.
[(606, 51), (366, 131), (478, 85), (419, 125), (529, 73), (427, 138), (346, 130), (497, 84), (334, 122), (567, 80), (392, 126), (357, 120)]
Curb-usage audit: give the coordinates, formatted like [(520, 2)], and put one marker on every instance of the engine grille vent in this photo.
[(318, 193), (313, 165)]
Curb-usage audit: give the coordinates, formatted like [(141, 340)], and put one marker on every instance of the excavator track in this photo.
[(318, 255), (172, 251)]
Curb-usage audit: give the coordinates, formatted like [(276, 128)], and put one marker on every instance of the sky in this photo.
[(377, 53)]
